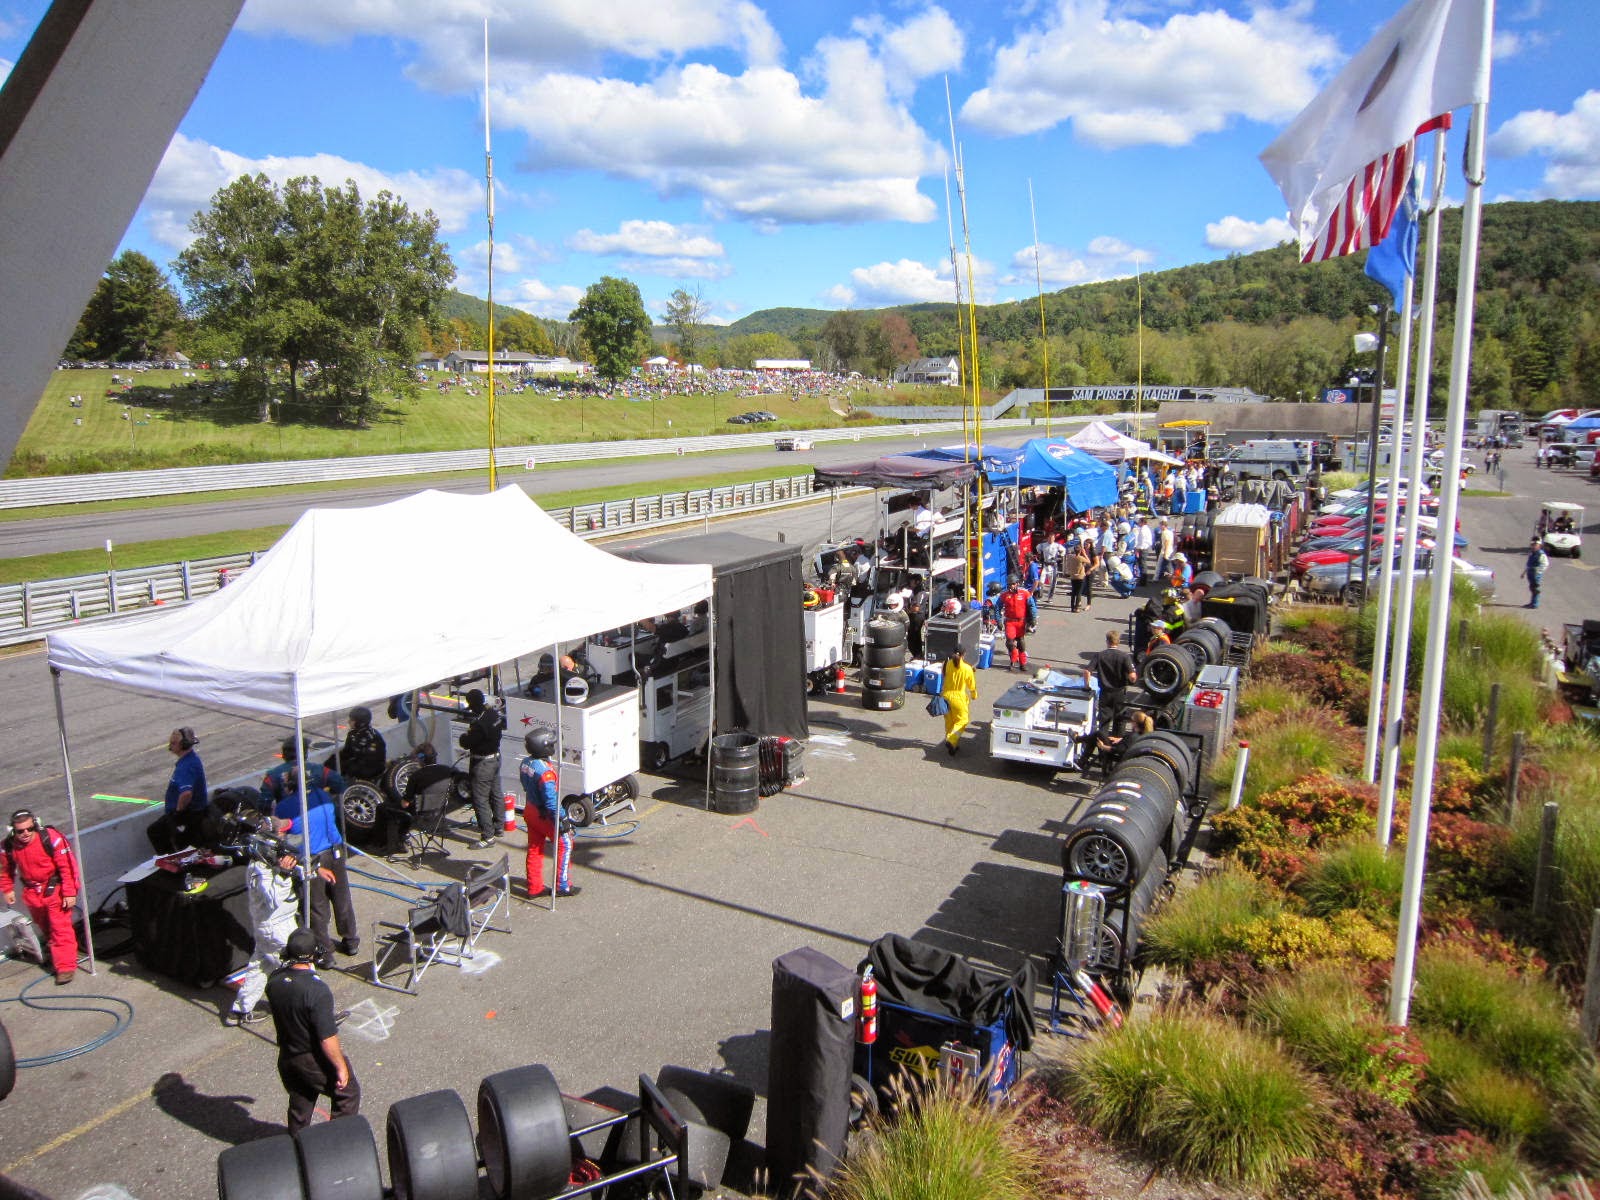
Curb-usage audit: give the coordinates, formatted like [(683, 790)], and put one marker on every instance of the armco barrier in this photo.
[(127, 485), (28, 611)]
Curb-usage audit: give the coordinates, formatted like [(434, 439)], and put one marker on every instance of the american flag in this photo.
[(1362, 218)]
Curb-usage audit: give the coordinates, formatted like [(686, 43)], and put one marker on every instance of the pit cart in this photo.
[(599, 741), (824, 629), (1046, 721), (1562, 522)]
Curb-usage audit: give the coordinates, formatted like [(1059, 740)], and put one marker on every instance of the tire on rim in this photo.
[(360, 802), (339, 1160), (577, 810), (522, 1133), (431, 1152)]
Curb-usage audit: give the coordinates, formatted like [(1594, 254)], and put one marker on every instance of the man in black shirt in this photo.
[(397, 815), (310, 1060), (364, 754), (481, 741), (1114, 668)]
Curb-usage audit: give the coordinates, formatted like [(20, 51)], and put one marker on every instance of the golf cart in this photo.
[(1562, 525)]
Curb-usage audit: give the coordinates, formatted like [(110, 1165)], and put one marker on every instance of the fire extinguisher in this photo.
[(838, 677), (867, 1030)]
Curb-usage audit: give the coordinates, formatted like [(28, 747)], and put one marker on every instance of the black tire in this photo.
[(884, 679), (886, 633), (1353, 592), (265, 1169), (626, 788), (885, 656), (1167, 747), (726, 1104), (863, 1101), (1281, 475), (360, 802), (883, 700), (522, 1133), (398, 774), (1213, 647), (8, 1063), (1118, 838), (577, 810), (431, 1152), (1577, 552), (653, 755), (1167, 671), (339, 1160), (1202, 532)]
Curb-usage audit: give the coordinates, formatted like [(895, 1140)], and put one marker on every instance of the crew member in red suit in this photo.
[(1019, 617), (542, 810), (39, 858)]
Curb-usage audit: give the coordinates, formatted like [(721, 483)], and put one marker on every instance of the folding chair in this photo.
[(488, 890), (439, 931), (431, 822)]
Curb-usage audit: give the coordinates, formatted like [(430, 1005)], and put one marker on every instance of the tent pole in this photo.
[(711, 650), (77, 842), (338, 766), (557, 683), (305, 820)]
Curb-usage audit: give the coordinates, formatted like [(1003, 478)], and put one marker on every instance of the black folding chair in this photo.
[(431, 822)]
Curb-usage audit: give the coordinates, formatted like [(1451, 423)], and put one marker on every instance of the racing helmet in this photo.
[(361, 715), (950, 608), (895, 602), (541, 743)]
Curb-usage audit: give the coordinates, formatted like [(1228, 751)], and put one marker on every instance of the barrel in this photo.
[(1167, 671), (1121, 834), (735, 772)]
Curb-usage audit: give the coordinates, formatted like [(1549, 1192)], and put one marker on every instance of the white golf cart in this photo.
[(1562, 522)]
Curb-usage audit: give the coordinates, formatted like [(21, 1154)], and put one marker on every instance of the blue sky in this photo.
[(795, 154)]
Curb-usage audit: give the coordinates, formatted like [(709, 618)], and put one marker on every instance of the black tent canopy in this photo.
[(760, 630), (898, 471)]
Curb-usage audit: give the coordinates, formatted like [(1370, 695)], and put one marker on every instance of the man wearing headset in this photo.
[(186, 799), (37, 861), (542, 789)]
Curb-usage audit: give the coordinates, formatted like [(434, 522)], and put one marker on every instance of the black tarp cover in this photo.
[(925, 977), (897, 471), (761, 642)]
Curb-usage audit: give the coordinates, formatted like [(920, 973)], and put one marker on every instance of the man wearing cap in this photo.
[(39, 858), (186, 799), (311, 1063), (481, 741)]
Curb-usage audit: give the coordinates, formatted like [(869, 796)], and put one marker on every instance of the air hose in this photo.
[(121, 1017)]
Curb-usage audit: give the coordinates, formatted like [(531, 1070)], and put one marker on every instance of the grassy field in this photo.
[(167, 420), (242, 541)]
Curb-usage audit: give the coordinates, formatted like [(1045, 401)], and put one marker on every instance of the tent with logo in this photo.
[(1055, 462)]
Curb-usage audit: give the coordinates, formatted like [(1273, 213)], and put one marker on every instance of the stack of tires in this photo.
[(1130, 837), (883, 674), (1168, 671), (1193, 535), (524, 1145)]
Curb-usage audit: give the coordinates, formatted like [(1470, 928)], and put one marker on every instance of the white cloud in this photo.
[(542, 300), (5, 68), (1121, 82), (450, 36), (192, 171), (677, 267), (654, 238), (1237, 235), (1061, 266), (753, 145), (899, 282), (1570, 140), (928, 44)]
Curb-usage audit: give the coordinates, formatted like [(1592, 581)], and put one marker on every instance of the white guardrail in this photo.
[(132, 485), (28, 611)]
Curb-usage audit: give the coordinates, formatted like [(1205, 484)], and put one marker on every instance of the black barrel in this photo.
[(1123, 832), (1167, 671), (735, 772), (1212, 645)]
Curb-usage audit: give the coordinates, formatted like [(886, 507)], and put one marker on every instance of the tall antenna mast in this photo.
[(1044, 339), (961, 333), (972, 324), (488, 175)]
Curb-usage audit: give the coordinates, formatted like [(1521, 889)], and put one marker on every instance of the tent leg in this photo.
[(711, 647), (305, 822), (72, 804), (559, 688)]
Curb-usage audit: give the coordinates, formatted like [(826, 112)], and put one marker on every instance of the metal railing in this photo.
[(29, 611), (128, 485)]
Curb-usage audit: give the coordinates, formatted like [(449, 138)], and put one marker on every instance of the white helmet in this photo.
[(895, 602)]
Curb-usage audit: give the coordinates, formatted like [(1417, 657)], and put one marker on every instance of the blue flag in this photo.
[(1393, 261)]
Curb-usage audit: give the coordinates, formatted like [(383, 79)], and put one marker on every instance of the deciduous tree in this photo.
[(686, 312), (614, 325)]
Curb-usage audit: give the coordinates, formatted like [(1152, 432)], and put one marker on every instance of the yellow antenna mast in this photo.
[(1138, 391), (488, 174), (1044, 338), (961, 333), (972, 329)]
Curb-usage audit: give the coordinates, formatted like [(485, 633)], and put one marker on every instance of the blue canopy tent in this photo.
[(1052, 462)]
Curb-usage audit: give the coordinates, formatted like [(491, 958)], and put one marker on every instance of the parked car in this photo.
[(1344, 579)]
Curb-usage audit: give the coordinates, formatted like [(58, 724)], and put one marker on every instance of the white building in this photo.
[(476, 362), (946, 371), (783, 364)]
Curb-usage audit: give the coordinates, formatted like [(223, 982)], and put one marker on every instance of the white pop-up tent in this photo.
[(1109, 446), (357, 603)]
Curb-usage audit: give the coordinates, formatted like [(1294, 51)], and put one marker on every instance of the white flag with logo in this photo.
[(1431, 58)]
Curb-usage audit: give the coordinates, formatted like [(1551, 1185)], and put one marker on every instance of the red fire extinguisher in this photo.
[(867, 1030), (838, 677)]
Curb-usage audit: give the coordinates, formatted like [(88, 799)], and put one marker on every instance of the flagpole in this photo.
[(1399, 657), (488, 174), (1443, 572), (1044, 337)]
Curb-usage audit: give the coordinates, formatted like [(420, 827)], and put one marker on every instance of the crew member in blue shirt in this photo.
[(324, 843), (186, 800)]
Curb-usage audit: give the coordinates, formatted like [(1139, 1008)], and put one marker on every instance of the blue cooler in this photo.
[(985, 650), (932, 678), (1194, 502), (914, 670)]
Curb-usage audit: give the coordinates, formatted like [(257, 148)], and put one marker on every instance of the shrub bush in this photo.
[(1286, 747), (1327, 679), (1209, 1098), (1275, 832), (1288, 939), (1202, 921), (1357, 874)]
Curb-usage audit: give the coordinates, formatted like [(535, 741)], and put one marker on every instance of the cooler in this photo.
[(986, 649), (914, 670), (932, 679)]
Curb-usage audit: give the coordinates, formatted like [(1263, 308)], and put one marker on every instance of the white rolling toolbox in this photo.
[(599, 738), (1041, 722), (824, 635)]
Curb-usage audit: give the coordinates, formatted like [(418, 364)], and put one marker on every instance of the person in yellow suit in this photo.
[(959, 689)]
